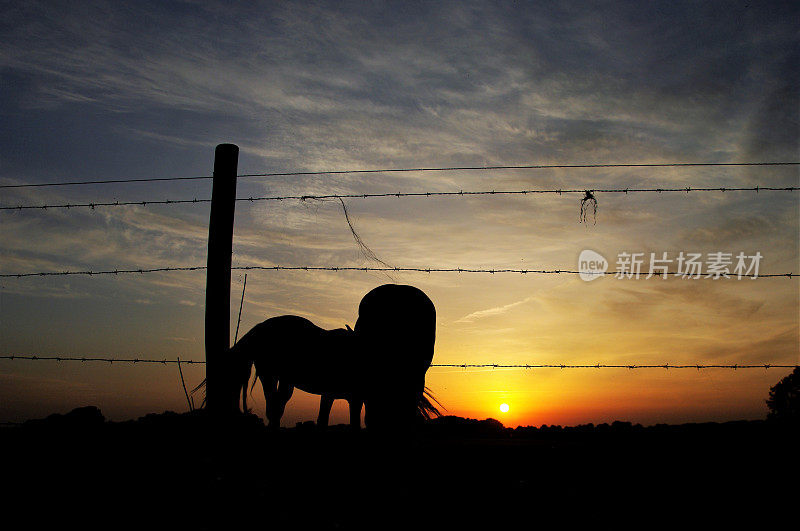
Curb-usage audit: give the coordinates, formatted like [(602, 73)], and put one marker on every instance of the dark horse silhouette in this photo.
[(291, 351), (397, 327), (382, 364)]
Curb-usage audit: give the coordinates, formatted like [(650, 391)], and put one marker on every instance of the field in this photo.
[(189, 472)]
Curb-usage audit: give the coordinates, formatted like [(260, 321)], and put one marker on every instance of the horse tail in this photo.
[(250, 361), (426, 407), (243, 363), (239, 361)]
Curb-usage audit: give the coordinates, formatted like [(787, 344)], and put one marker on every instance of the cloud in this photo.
[(489, 85), (492, 312)]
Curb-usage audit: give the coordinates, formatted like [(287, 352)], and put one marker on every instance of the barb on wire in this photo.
[(365, 269), (428, 169), (697, 366), (460, 193)]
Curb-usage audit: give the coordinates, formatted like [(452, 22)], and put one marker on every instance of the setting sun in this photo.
[(504, 408)]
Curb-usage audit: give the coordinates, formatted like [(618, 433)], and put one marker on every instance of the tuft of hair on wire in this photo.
[(588, 201), (363, 248)]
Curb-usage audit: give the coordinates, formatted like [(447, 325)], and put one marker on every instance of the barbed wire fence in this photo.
[(421, 169), (586, 193), (178, 361), (388, 269), (460, 193)]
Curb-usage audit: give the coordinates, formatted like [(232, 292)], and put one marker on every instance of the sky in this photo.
[(105, 90)]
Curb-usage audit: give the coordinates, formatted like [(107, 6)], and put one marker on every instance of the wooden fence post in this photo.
[(220, 398)]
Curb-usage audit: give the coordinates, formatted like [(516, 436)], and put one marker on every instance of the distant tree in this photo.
[(784, 398)]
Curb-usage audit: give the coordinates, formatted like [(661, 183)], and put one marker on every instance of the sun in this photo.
[(504, 408)]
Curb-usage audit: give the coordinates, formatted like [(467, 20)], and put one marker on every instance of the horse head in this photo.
[(397, 327)]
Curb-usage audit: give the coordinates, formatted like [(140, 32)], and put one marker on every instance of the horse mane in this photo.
[(426, 407)]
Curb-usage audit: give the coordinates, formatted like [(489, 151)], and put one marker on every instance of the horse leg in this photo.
[(355, 412), (325, 404), (278, 403), (270, 385)]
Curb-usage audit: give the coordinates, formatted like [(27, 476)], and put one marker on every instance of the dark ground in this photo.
[(187, 472)]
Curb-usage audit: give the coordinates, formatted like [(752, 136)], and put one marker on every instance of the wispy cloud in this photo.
[(492, 312)]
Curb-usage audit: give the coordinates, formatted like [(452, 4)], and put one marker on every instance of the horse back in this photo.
[(312, 358), (284, 328)]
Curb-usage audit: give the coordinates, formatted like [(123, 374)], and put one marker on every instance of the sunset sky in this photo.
[(106, 90)]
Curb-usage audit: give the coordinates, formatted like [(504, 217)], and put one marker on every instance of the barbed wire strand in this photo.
[(698, 366), (461, 193), (163, 361), (108, 272), (390, 270), (606, 366), (400, 170)]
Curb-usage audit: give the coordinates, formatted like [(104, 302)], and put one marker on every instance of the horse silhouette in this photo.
[(397, 327), (380, 365), (290, 351)]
